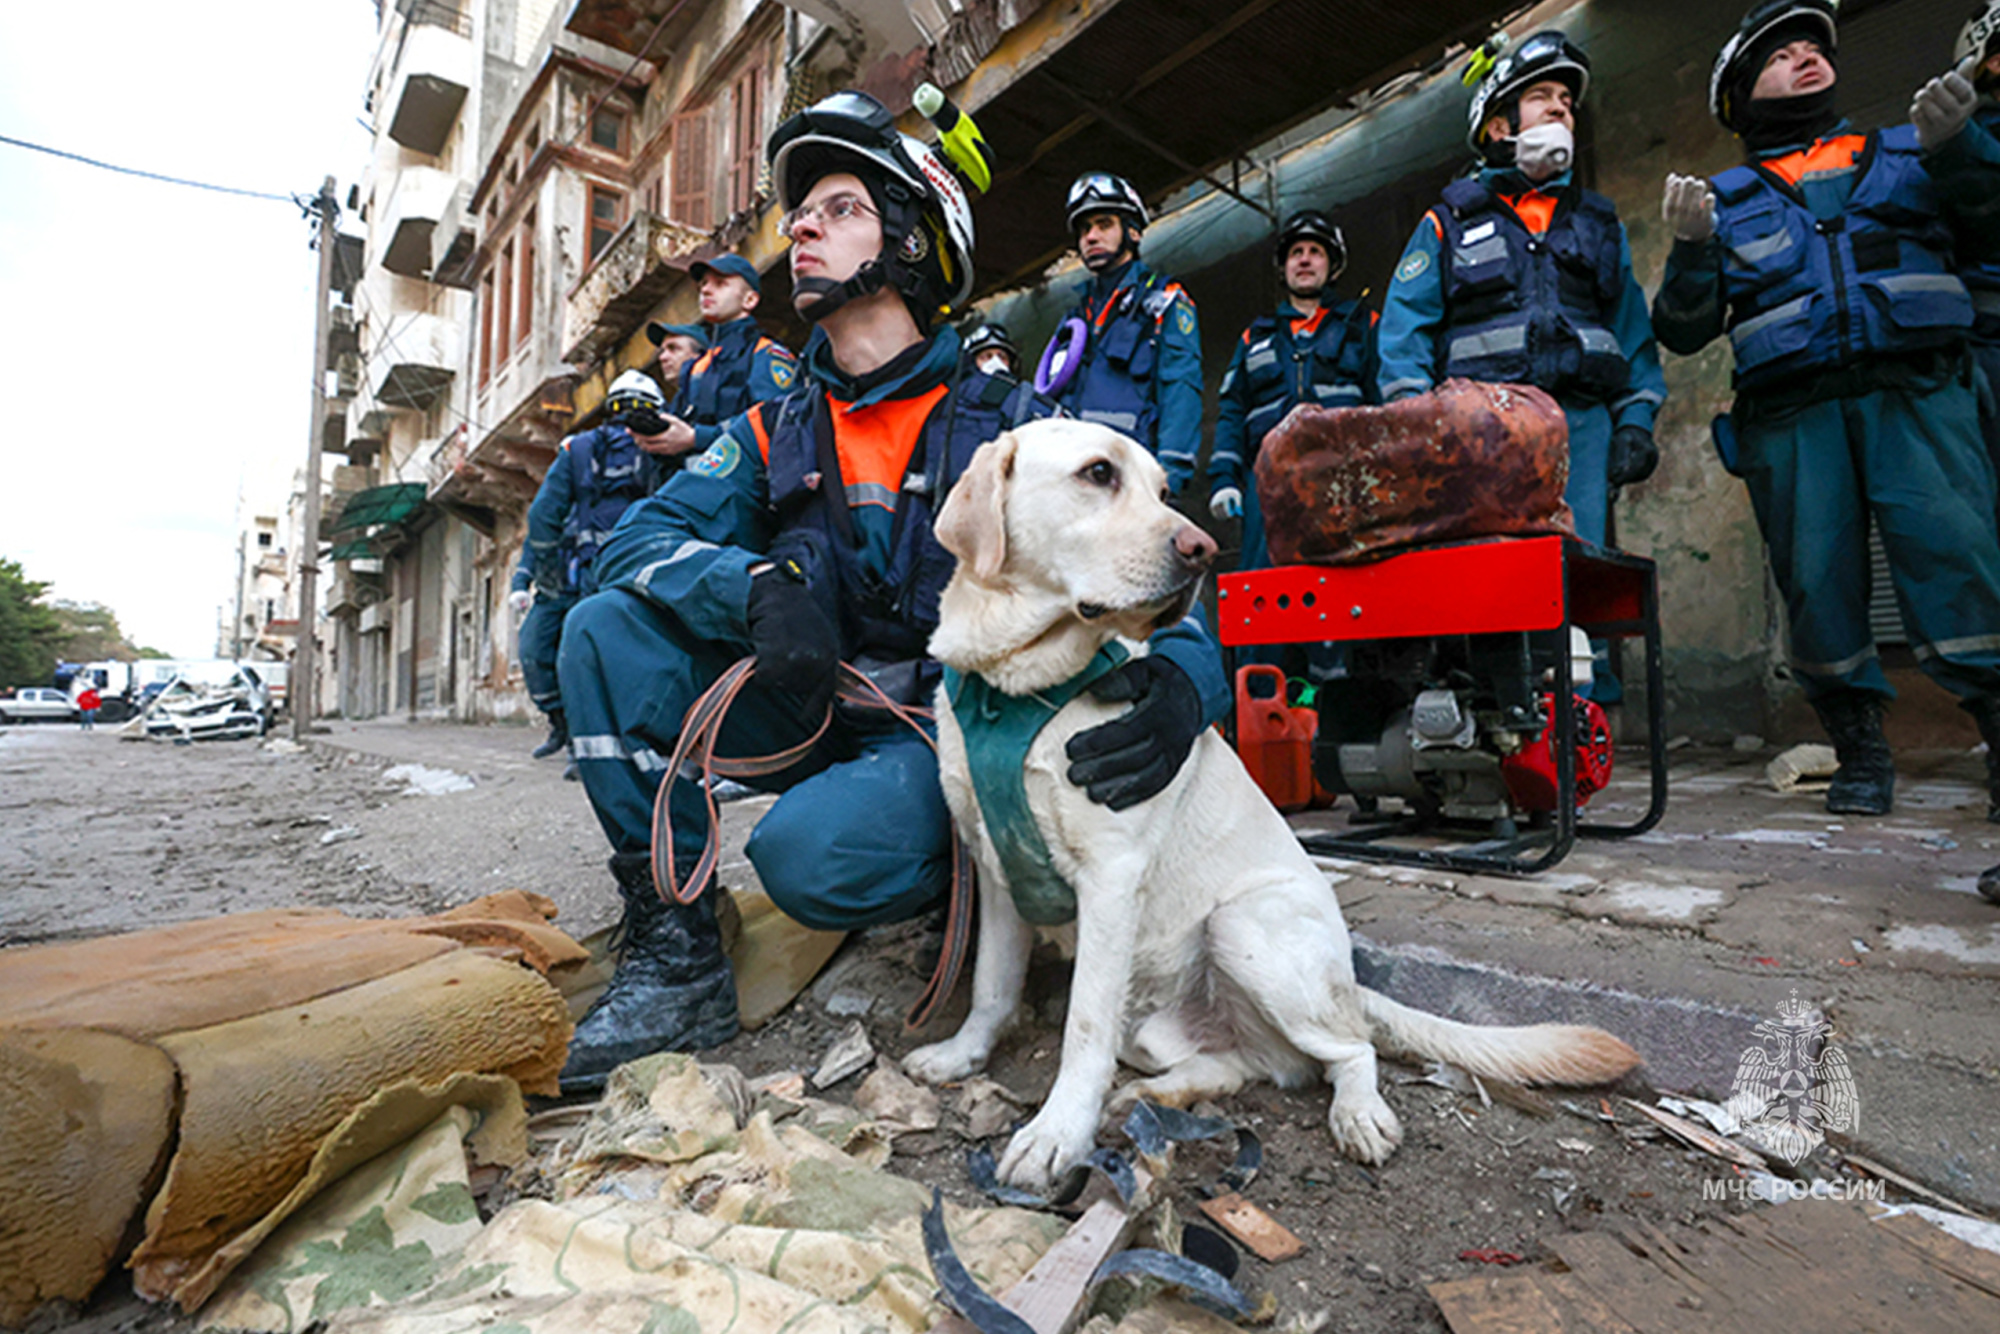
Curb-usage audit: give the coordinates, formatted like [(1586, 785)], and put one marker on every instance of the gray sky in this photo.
[(156, 340)]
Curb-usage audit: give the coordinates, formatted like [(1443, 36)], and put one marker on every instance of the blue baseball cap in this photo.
[(659, 333), (731, 266)]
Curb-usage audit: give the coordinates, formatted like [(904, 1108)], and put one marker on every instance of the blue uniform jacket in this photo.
[(1328, 369), (1413, 312), (1166, 392), (1694, 305), (545, 555), (773, 369), (689, 548)]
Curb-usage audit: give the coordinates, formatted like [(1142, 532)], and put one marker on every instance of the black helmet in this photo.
[(1101, 192), (988, 336), (1730, 80), (926, 217), (1546, 55), (1309, 224)]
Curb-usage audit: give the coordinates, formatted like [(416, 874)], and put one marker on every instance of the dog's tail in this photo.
[(1538, 1054)]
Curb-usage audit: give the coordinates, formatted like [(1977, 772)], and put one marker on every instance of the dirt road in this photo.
[(1688, 938)]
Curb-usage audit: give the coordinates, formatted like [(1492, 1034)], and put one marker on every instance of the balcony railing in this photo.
[(422, 197), (436, 14), (415, 360), (433, 71), (638, 268)]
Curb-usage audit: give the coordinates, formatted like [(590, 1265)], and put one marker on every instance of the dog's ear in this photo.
[(973, 523)]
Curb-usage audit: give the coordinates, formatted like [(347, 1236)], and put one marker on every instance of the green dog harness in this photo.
[(998, 730)]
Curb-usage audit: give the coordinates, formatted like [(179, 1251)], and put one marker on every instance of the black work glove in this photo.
[(797, 647), (1633, 456), (1134, 756)]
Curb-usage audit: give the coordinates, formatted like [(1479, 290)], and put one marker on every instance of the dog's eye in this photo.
[(1101, 473)]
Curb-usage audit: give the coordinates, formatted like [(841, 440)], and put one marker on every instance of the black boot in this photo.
[(1985, 710), (1865, 783), (1989, 884), (558, 735), (673, 989)]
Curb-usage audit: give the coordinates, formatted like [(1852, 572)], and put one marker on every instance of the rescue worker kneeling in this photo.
[(803, 535), (1826, 259)]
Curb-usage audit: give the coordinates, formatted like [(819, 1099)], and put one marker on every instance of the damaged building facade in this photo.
[(546, 171)]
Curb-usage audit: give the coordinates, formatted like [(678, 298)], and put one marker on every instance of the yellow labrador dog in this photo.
[(1209, 950)]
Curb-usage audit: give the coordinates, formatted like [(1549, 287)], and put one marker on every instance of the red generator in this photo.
[(1456, 656)]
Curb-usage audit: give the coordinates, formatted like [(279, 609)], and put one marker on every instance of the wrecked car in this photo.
[(222, 707)]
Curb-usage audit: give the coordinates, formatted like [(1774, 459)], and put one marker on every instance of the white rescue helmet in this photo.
[(631, 391)]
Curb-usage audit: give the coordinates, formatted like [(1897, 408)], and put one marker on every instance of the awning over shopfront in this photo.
[(360, 549), (379, 505)]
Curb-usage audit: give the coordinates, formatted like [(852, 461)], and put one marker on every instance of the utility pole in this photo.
[(305, 662)]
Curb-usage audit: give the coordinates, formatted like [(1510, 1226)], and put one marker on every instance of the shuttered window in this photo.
[(694, 168), (524, 291), (747, 140)]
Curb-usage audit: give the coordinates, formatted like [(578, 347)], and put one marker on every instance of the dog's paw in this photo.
[(1045, 1148), (944, 1062), (1365, 1128)]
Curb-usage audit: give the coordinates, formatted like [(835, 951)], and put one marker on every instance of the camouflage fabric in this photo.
[(1343, 485)]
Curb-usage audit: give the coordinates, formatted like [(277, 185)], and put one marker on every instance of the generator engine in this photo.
[(1457, 727)]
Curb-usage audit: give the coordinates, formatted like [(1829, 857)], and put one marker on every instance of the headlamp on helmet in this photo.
[(927, 233), (1546, 55), (636, 401)]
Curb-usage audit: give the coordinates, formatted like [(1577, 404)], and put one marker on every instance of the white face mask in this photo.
[(993, 363), (1544, 151)]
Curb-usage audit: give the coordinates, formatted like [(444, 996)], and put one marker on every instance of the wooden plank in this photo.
[(1909, 1187), (1809, 1265), (1647, 1297), (1582, 1309), (1966, 1263), (1894, 1284), (1542, 1302), (1050, 1296), (1270, 1239), (1514, 1304), (1701, 1137), (1764, 1284)]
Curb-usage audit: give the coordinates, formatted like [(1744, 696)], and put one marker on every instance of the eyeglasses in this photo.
[(835, 209)]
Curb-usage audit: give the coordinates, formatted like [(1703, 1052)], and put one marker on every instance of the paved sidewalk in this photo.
[(1698, 930)]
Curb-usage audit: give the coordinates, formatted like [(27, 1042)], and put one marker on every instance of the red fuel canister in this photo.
[(1274, 740)]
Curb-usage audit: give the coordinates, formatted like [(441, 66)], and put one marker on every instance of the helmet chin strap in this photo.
[(829, 296)]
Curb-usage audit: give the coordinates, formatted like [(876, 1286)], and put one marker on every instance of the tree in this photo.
[(30, 630), (90, 633)]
